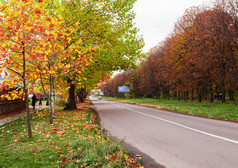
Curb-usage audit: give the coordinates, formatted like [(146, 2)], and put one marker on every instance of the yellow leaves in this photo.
[(13, 95), (68, 66), (47, 32), (69, 39), (48, 52), (3, 45), (52, 72)]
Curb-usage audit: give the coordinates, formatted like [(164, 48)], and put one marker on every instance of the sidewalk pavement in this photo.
[(15, 117)]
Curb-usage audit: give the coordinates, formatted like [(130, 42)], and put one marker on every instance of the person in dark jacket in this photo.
[(34, 100)]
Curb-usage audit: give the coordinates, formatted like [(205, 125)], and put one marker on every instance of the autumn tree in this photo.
[(21, 39), (198, 59)]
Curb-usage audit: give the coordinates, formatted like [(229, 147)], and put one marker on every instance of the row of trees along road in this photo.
[(65, 45), (200, 58)]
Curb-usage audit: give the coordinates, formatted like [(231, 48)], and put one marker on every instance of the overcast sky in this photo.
[(156, 18)]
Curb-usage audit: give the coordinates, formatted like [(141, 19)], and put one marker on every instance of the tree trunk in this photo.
[(231, 97), (175, 94), (223, 91), (53, 100), (26, 93), (159, 95), (168, 96), (28, 112), (223, 78), (164, 94), (71, 100), (205, 95), (211, 95), (200, 97), (178, 96), (192, 95), (50, 101), (185, 96)]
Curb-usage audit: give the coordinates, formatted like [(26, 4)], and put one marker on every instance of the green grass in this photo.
[(218, 110), (70, 142)]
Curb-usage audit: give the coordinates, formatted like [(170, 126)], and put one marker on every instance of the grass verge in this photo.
[(72, 141), (217, 110)]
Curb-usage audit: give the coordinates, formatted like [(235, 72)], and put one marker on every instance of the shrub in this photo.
[(129, 96), (148, 95)]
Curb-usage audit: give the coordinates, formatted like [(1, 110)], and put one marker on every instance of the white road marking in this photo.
[(184, 126)]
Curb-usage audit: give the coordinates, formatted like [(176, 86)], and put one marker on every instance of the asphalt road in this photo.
[(172, 140)]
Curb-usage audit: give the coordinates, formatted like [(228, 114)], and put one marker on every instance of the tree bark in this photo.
[(185, 96), (159, 95), (178, 96), (192, 95), (200, 97), (53, 100), (231, 97), (175, 94), (26, 93), (50, 101), (164, 94), (168, 96), (28, 112), (211, 95)]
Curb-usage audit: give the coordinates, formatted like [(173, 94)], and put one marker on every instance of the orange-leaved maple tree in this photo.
[(24, 40)]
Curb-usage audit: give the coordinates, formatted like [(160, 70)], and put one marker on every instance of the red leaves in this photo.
[(93, 50), (112, 157), (2, 8), (57, 148), (85, 126), (51, 26), (52, 143), (37, 11), (48, 19)]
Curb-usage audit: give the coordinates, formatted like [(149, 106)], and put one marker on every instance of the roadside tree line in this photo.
[(199, 60)]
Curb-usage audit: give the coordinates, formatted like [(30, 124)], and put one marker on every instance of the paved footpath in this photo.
[(15, 117)]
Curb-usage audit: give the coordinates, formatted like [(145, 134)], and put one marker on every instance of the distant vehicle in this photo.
[(99, 98)]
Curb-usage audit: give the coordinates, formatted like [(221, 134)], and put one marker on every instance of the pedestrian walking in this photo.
[(34, 100)]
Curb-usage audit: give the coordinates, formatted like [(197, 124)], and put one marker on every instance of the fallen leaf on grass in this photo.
[(57, 148), (62, 157), (52, 143), (112, 157)]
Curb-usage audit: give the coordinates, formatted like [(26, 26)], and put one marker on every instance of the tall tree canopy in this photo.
[(47, 44)]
